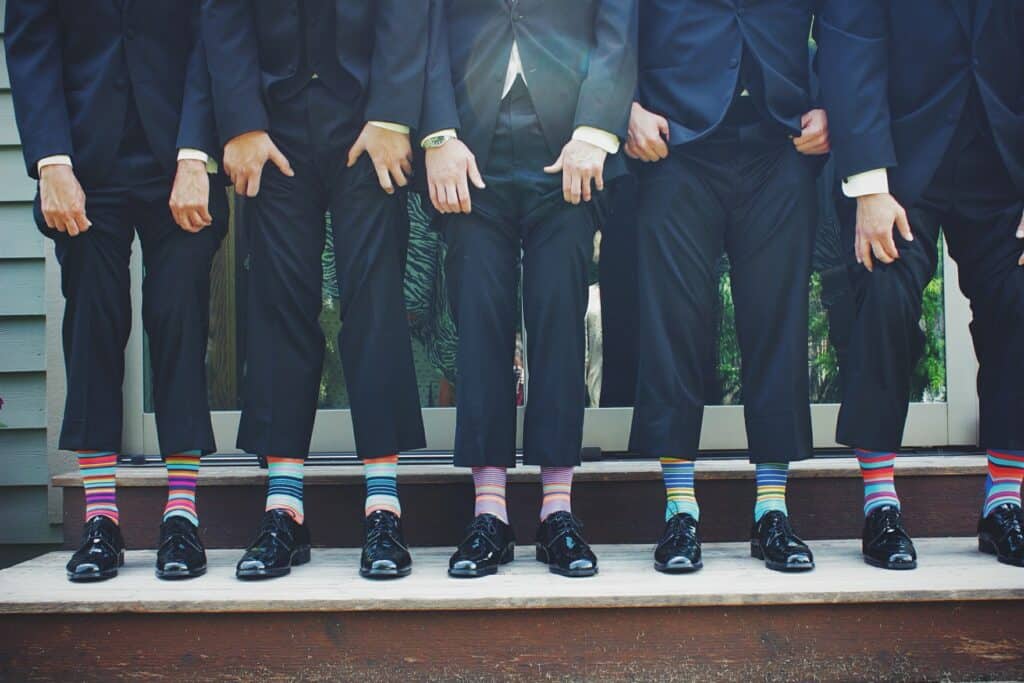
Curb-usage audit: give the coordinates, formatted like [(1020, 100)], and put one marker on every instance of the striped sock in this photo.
[(879, 487), (678, 476), (557, 487), (382, 485), (1005, 474), (489, 484), (771, 488), (182, 473), (99, 470), (284, 486)]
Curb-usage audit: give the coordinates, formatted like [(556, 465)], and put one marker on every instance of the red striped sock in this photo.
[(99, 479), (182, 473)]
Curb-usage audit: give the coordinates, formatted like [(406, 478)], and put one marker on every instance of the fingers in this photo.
[(557, 166), (572, 187), (451, 198), (398, 174), (663, 127), (195, 217), (357, 151), (252, 183), (204, 215), (77, 223), (280, 161), (465, 204), (474, 175), (903, 225), (405, 163), (585, 179), (884, 249), (432, 188), (599, 179), (384, 178)]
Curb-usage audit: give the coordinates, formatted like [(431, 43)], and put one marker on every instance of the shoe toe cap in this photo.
[(902, 558), (582, 565), (84, 569), (464, 565), (383, 566), (251, 565), (679, 562), (800, 560)]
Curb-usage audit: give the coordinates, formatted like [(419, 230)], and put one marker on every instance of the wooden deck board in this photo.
[(606, 471), (951, 570)]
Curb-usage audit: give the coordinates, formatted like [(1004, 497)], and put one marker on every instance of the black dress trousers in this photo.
[(175, 305), (520, 221), (285, 345), (975, 204), (748, 192)]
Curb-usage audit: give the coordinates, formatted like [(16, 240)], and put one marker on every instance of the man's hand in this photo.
[(190, 196), (62, 200), (1020, 236), (390, 152), (813, 141), (648, 135), (876, 214), (450, 169), (244, 159), (580, 163)]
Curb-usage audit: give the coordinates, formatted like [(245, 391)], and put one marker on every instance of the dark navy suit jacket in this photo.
[(896, 77), (691, 53), (254, 45), (579, 58), (74, 64)]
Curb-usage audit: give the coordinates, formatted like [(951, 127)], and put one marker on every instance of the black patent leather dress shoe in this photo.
[(100, 554), (281, 543), (678, 551), (1001, 533), (181, 554), (489, 542), (385, 555), (773, 540), (561, 547), (886, 543)]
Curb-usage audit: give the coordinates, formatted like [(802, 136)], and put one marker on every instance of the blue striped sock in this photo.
[(1002, 485), (284, 486), (771, 488), (678, 476), (878, 471), (382, 485)]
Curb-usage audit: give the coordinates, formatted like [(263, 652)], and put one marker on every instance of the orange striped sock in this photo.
[(489, 485), (182, 473), (381, 485), (557, 486), (99, 471)]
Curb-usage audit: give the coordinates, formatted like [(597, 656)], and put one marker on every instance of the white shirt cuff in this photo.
[(394, 127), (55, 160), (875, 181), (609, 142), (193, 155), (447, 133)]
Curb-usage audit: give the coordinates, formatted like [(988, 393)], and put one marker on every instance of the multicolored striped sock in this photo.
[(489, 483), (284, 486), (877, 469), (678, 476), (99, 479), (182, 473), (1005, 474), (382, 485), (557, 486), (771, 488)]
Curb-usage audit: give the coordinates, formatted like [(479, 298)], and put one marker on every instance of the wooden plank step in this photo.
[(952, 619), (951, 569), (941, 497)]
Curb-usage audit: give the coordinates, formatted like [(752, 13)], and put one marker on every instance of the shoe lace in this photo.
[(380, 528), (484, 524), (678, 527)]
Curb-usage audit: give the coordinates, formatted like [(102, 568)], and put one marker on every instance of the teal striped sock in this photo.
[(679, 492), (284, 486), (771, 488)]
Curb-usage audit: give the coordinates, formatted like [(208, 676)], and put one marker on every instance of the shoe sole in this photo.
[(758, 554), (384, 574), (178, 576), (299, 557), (895, 566), (506, 557), (97, 576), (666, 569), (989, 548), (542, 557)]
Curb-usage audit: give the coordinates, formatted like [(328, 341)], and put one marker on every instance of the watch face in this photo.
[(436, 141)]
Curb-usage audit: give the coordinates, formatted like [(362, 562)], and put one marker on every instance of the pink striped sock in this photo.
[(557, 485), (490, 483)]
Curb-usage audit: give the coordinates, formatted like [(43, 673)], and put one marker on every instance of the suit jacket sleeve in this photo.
[(439, 109), (228, 37), (35, 67), (399, 62), (198, 129), (610, 85), (853, 63)]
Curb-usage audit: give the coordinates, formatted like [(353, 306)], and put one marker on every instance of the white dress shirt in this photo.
[(609, 142), (875, 181), (183, 154)]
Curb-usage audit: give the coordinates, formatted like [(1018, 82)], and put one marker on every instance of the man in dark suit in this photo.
[(525, 102), (927, 108), (726, 122), (113, 106), (315, 100)]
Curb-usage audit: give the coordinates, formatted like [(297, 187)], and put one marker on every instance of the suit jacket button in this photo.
[(733, 63)]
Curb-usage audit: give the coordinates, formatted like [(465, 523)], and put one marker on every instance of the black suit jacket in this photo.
[(896, 77), (691, 52), (579, 57), (252, 45), (74, 64)]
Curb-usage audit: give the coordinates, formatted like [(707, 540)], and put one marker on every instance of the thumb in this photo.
[(474, 175), (663, 126), (280, 161), (903, 225), (555, 167), (357, 151), (805, 120)]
